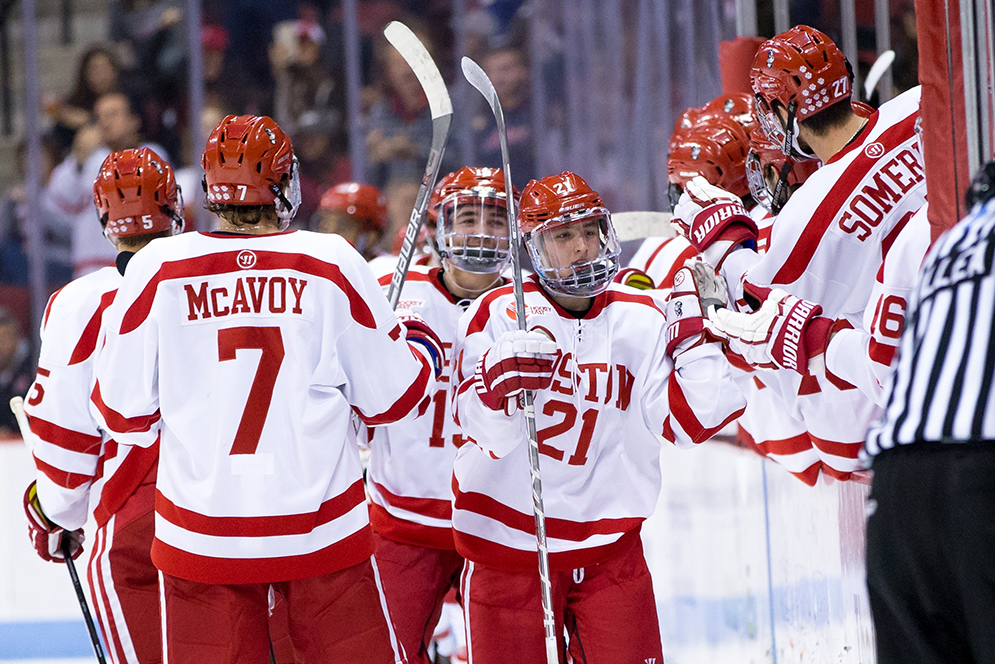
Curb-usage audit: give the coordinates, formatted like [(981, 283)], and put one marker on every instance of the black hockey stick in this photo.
[(478, 79), (420, 61), (17, 407)]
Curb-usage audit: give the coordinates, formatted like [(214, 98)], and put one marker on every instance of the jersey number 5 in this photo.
[(270, 342)]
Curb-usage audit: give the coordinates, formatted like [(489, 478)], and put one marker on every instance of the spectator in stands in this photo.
[(320, 147), (117, 128), (57, 233), (303, 82), (98, 72), (399, 135), (16, 368), (508, 69)]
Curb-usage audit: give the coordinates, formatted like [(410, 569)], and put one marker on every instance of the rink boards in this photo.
[(749, 565)]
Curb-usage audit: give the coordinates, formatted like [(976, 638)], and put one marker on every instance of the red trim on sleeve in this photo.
[(62, 478), (824, 215), (67, 439), (881, 353), (88, 339), (227, 262), (411, 398), (118, 422), (685, 416), (261, 526), (890, 238)]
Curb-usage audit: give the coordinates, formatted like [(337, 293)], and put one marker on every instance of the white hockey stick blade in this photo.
[(421, 63), (878, 69), (642, 224), (478, 79), (17, 407), (418, 58)]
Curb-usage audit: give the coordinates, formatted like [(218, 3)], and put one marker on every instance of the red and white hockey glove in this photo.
[(697, 290), (713, 221), (423, 338), (784, 333), (634, 278), (517, 361), (45, 536)]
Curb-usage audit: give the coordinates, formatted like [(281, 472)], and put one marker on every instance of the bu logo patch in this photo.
[(246, 259)]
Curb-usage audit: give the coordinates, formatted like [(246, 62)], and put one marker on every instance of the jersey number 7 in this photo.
[(269, 340)]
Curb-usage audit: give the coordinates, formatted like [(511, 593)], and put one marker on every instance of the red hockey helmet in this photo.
[(136, 193), (471, 208), (569, 235), (767, 159), (683, 126), (245, 161), (737, 105), (363, 202), (716, 150), (805, 72)]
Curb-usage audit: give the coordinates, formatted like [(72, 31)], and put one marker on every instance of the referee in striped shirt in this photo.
[(931, 529)]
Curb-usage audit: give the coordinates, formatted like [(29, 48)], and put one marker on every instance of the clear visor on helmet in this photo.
[(758, 183), (289, 198), (775, 130), (472, 231), (576, 254)]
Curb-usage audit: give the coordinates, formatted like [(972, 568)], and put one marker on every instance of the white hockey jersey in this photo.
[(661, 258), (80, 469), (615, 392), (826, 243), (247, 355), (411, 463), (863, 356)]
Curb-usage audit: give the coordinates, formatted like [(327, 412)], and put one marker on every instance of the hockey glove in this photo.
[(423, 339), (784, 333), (45, 536), (697, 289), (517, 361), (713, 221), (634, 278)]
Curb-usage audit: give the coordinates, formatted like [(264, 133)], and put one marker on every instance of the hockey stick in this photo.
[(478, 79), (878, 70), (418, 58), (17, 406), (641, 225)]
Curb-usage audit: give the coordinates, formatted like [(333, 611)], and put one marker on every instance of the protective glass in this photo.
[(472, 232), (576, 254)]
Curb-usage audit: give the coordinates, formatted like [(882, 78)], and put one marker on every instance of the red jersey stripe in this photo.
[(408, 532), (347, 552), (407, 402), (226, 262), (261, 526), (61, 477), (430, 507), (825, 214)]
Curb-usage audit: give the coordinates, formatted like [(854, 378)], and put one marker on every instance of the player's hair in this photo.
[(136, 242), (244, 215), (828, 119)]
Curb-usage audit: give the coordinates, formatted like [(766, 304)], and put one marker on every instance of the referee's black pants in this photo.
[(931, 554)]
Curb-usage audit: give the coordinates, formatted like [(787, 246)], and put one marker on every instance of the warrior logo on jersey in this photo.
[(246, 259), (874, 150)]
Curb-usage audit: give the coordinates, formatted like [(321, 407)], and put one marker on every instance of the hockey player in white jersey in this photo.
[(827, 242), (80, 468), (244, 352), (612, 372), (411, 463)]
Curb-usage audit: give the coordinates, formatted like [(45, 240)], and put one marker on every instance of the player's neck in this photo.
[(465, 285), (575, 305), (825, 147)]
